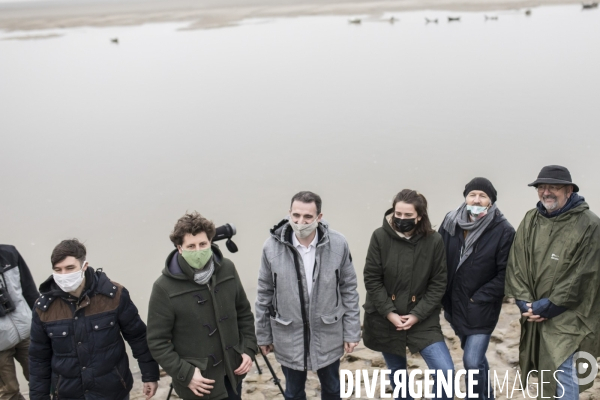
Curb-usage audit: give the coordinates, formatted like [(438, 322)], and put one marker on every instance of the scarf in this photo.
[(202, 276), (475, 228)]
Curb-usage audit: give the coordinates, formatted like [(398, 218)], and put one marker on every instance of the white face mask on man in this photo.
[(304, 230), (70, 282)]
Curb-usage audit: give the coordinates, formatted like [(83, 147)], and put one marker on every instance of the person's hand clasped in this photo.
[(407, 322), (244, 366), (349, 347), (531, 317), (149, 389), (200, 385), (266, 349)]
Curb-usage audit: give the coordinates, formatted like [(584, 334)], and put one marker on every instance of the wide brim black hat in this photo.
[(554, 175)]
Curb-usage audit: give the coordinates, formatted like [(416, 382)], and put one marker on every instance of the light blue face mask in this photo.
[(477, 211)]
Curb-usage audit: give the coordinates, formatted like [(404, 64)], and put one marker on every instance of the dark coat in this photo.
[(406, 276), (207, 327), (474, 294), (77, 351)]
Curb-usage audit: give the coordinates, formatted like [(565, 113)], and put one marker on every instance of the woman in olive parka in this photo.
[(405, 278)]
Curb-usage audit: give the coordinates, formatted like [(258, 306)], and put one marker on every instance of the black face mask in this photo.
[(405, 225)]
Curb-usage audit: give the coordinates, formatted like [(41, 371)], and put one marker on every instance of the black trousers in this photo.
[(230, 393)]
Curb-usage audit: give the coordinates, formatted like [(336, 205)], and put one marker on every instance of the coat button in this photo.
[(112, 323), (114, 287), (78, 343), (64, 333), (336, 318), (111, 294), (96, 327), (83, 369), (76, 317), (50, 334), (414, 299), (393, 297)]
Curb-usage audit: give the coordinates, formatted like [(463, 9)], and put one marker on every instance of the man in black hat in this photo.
[(553, 273)]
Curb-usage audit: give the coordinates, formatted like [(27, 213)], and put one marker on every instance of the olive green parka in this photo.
[(200, 326), (406, 276), (559, 259)]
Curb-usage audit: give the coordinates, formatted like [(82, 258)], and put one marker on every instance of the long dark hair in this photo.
[(419, 202)]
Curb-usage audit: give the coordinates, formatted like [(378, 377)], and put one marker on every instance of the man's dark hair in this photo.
[(419, 202), (68, 248), (308, 197), (192, 223)]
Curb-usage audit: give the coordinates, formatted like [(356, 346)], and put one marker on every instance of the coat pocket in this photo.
[(482, 314), (62, 339), (332, 332), (283, 336), (105, 331)]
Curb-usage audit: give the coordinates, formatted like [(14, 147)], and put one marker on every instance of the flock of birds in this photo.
[(392, 19)]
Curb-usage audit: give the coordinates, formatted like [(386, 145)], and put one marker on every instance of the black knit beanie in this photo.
[(481, 184)]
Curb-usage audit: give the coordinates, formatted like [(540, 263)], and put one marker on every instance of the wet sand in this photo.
[(215, 14)]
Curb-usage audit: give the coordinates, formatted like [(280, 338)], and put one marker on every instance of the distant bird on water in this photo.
[(115, 40), (528, 12), (587, 6), (491, 17), (393, 19), (453, 19), (354, 20), (431, 21)]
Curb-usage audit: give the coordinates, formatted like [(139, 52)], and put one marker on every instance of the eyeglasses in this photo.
[(551, 188)]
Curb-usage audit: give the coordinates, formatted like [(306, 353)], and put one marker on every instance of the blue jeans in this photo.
[(436, 356), (568, 379), (474, 347), (329, 377)]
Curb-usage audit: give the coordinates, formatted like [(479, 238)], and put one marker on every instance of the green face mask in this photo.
[(197, 259)]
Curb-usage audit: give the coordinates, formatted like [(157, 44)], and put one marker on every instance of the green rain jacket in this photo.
[(559, 259)]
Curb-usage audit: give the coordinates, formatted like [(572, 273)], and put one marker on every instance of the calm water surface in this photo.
[(112, 143)]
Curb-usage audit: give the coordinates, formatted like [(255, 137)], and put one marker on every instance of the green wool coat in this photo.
[(559, 259), (406, 276), (205, 326)]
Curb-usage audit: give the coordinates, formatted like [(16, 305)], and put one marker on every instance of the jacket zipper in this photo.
[(337, 286), (121, 378), (275, 291), (306, 330), (56, 389)]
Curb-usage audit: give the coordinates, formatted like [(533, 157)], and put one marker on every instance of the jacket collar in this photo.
[(96, 282)]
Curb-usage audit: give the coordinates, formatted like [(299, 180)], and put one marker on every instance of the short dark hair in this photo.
[(420, 203), (68, 248), (308, 197), (192, 223)]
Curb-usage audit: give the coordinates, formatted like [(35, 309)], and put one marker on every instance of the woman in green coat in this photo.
[(405, 278)]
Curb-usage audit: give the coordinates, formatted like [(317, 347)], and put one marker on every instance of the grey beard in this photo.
[(552, 206)]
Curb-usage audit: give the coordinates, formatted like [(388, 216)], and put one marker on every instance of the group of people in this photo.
[(202, 332)]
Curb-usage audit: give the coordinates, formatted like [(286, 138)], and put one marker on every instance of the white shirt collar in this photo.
[(297, 243)]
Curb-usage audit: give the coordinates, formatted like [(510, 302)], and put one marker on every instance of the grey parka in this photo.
[(307, 332)]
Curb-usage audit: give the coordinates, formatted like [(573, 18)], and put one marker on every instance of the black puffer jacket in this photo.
[(77, 351), (474, 293)]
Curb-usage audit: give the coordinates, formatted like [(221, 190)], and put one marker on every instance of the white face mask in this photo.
[(477, 211), (304, 230), (70, 282)]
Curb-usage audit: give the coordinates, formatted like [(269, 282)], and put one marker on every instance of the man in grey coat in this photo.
[(307, 308)]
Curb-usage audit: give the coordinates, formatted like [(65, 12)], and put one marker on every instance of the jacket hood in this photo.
[(174, 269), (282, 231), (95, 282)]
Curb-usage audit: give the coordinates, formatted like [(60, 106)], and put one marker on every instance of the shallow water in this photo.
[(112, 143)]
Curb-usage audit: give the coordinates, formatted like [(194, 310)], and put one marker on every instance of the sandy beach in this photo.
[(34, 15)]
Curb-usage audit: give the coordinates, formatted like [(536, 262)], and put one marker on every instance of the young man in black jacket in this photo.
[(17, 297), (77, 349), (477, 238)]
